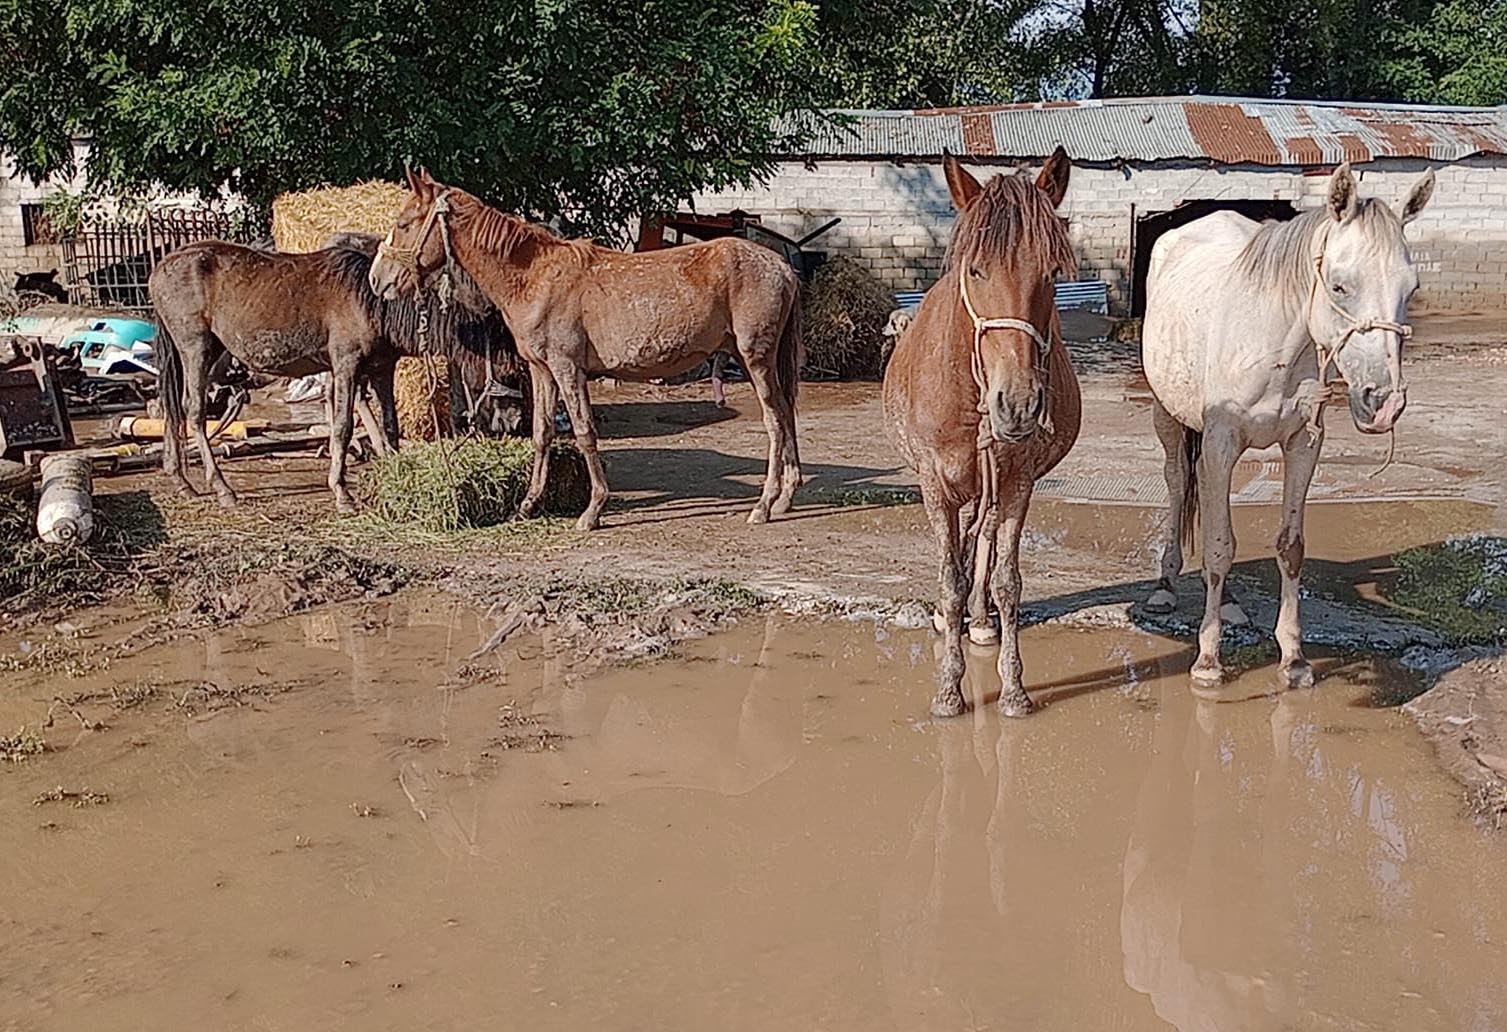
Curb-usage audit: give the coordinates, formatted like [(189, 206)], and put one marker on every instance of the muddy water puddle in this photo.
[(337, 821)]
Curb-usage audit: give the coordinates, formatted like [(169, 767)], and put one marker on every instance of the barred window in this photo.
[(35, 225)]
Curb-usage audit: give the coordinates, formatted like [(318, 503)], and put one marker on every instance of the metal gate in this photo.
[(108, 265)]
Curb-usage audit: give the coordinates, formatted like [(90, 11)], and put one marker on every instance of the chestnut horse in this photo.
[(579, 311), (981, 400)]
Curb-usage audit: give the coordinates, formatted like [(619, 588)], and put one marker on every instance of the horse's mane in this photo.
[(463, 327), (502, 234), (1279, 258), (1010, 221)]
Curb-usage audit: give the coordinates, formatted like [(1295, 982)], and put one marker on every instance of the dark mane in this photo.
[(1012, 221)]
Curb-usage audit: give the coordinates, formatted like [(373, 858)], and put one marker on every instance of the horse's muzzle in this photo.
[(1377, 409), (1011, 422)]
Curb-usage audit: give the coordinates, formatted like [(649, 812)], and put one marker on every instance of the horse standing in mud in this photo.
[(1244, 323), (294, 315), (981, 400), (580, 311)]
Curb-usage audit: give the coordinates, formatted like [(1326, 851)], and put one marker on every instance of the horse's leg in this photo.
[(948, 701), (1215, 467), (578, 403), (546, 397), (761, 374), (1014, 502), (719, 361), (981, 630), (342, 415), (1300, 455), (196, 364), (381, 379), (1176, 470)]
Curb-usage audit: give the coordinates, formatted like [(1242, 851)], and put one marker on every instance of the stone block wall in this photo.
[(897, 217)]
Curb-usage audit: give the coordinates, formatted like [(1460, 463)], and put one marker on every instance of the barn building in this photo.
[(1143, 166)]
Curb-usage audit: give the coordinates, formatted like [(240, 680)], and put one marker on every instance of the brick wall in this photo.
[(897, 217), (15, 191)]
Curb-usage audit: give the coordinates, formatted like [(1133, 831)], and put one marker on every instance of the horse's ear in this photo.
[(425, 177), (960, 182), (1054, 175), (413, 180), (1344, 194), (1418, 197)]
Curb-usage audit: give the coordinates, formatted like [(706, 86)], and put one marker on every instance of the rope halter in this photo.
[(407, 258), (982, 326)]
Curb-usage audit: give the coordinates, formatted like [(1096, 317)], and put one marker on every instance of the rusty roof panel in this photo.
[(1215, 129), (1226, 133)]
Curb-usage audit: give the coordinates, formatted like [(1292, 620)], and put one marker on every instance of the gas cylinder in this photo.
[(66, 510)]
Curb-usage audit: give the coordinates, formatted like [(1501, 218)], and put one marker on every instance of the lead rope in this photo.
[(408, 257), (1329, 392), (989, 463)]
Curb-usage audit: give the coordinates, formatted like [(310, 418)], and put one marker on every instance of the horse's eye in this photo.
[(975, 272), (1340, 290)]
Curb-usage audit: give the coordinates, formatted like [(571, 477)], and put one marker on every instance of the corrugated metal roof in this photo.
[(1222, 130)]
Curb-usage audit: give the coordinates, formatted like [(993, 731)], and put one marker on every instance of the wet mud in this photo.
[(341, 820)]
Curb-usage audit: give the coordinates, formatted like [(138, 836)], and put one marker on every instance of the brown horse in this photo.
[(981, 400), (292, 315), (580, 311)]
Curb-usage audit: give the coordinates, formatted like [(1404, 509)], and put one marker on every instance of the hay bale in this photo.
[(489, 478), (304, 221), (421, 386), (845, 310)]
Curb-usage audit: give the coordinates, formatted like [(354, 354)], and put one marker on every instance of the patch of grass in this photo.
[(1458, 588), (24, 743), (471, 482), (1252, 655), (867, 496)]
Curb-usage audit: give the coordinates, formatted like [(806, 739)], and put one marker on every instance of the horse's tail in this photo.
[(792, 352), (170, 393), (1193, 445)]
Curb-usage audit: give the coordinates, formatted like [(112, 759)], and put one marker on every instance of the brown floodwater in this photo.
[(327, 822)]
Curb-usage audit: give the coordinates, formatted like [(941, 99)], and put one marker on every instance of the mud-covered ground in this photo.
[(685, 473)]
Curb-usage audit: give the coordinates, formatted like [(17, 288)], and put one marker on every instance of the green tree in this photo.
[(1457, 56), (593, 111)]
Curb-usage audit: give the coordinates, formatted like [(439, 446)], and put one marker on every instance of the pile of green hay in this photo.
[(30, 569), (455, 484), (845, 311), (1458, 588)]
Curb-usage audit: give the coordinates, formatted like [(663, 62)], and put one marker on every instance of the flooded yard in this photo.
[(341, 820)]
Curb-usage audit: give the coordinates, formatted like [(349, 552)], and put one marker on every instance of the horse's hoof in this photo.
[(782, 506), (983, 634), (1297, 674), (227, 501), (759, 515), (937, 623), (589, 521), (1017, 704), (345, 507), (1161, 602), (1206, 673), (948, 704), (1231, 613)]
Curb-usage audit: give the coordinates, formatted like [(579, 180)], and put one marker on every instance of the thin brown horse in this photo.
[(981, 400), (579, 311)]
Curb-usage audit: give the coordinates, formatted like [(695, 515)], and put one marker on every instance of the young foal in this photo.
[(981, 400), (1243, 325), (580, 311)]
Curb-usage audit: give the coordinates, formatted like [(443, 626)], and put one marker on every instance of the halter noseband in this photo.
[(408, 257), (1329, 353), (982, 326)]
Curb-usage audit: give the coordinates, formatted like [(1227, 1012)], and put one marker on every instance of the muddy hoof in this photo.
[(1016, 705), (983, 634), (1230, 613), (1161, 601), (948, 705), (1206, 673), (589, 521), (1295, 675)]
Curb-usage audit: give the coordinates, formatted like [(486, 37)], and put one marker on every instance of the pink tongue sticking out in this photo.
[(1390, 409)]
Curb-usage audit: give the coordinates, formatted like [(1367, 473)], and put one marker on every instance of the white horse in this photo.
[(1246, 324)]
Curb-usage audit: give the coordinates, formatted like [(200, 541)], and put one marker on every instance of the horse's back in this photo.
[(1188, 284)]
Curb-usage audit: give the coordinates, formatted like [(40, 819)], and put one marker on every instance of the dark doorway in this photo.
[(1150, 226)]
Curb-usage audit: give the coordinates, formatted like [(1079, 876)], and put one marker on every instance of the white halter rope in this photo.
[(989, 466), (1328, 354)]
